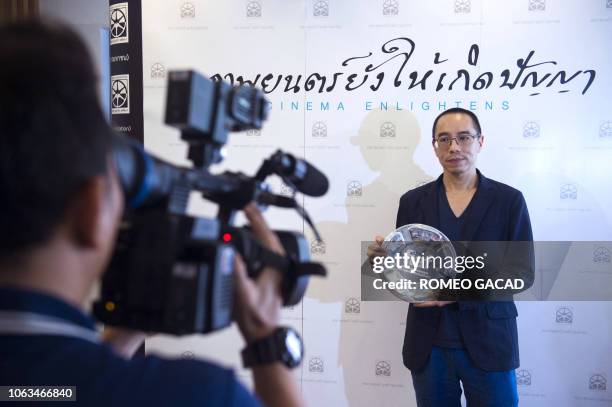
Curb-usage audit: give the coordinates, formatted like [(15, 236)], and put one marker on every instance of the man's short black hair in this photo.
[(472, 115), (53, 134)]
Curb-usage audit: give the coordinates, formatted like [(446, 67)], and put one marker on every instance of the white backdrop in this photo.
[(552, 140)]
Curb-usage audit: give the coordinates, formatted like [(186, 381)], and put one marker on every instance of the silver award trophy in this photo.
[(423, 244)]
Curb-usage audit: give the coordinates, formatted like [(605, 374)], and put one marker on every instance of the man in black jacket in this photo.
[(475, 343)]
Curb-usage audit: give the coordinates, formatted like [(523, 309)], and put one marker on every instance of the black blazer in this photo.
[(498, 213)]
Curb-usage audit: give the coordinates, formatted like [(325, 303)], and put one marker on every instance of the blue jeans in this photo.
[(437, 384)]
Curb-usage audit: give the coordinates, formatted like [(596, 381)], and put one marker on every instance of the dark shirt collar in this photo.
[(18, 299)]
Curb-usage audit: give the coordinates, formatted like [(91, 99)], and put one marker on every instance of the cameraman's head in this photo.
[(60, 201)]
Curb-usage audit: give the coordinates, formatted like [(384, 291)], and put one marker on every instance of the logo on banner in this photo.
[(158, 71), (315, 365), (601, 255), (537, 5), (354, 188), (463, 6), (187, 10), (319, 129), (564, 315), (286, 190), (568, 191), (352, 306), (605, 130), (317, 247), (523, 377), (119, 23), (120, 94), (531, 130), (320, 8), (390, 8), (382, 368), (387, 129), (598, 382), (188, 355), (253, 9)]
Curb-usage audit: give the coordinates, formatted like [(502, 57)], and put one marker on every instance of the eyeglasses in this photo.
[(444, 141)]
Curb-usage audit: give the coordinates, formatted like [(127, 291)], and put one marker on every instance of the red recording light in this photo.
[(227, 237)]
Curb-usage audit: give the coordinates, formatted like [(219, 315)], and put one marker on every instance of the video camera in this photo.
[(171, 272)]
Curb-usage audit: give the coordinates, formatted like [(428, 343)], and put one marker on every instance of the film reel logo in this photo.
[(537, 5), (523, 377), (158, 71), (382, 368), (598, 382), (568, 191), (120, 94), (316, 365), (188, 10), (601, 255), (463, 6), (390, 8), (119, 28), (387, 129), (352, 306), (320, 8), (531, 130), (605, 129), (253, 9), (564, 315), (319, 129)]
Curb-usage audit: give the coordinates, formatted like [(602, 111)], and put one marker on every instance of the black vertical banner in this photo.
[(126, 67)]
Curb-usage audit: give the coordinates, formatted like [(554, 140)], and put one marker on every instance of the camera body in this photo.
[(172, 272)]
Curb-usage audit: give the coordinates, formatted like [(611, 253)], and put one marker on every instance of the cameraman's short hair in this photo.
[(53, 134)]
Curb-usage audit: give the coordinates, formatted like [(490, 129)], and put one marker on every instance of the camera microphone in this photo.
[(300, 173)]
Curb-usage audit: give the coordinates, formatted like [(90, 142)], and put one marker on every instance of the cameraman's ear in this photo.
[(96, 212)]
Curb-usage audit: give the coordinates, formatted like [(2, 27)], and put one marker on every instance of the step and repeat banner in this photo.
[(354, 87)]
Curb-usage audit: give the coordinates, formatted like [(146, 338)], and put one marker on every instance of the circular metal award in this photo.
[(421, 253)]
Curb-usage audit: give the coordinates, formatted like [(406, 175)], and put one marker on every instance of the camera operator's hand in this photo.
[(375, 249), (258, 302), (257, 311)]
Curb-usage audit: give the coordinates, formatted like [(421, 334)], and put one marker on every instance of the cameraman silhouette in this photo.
[(60, 209)]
